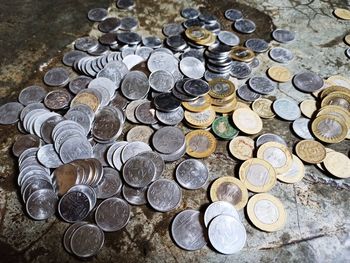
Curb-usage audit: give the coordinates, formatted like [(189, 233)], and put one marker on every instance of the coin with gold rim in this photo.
[(339, 99), (332, 89), (279, 74), (276, 154), (224, 101), (247, 121), (329, 128), (203, 118), (243, 54), (196, 33), (263, 107), (227, 108), (200, 144), (221, 88), (338, 80), (310, 151), (295, 173), (198, 105), (336, 111)]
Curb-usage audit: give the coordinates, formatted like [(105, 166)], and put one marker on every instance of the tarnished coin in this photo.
[(107, 125), (245, 26), (261, 85), (109, 24), (152, 42), (125, 4), (139, 171), (247, 121), (242, 147), (24, 142), (157, 161), (196, 87), (219, 208), (173, 29), (132, 149), (308, 81), (41, 204), (200, 144), (286, 109), (31, 94), (86, 43), (168, 140), (279, 74), (56, 77), (145, 113), (247, 94), (74, 206), (223, 128), (166, 102), (257, 175), (263, 107), (269, 137), (229, 189), (200, 119), (283, 35), (187, 230), (135, 85), (57, 99), (128, 23), (281, 55), (310, 151), (276, 154), (68, 151), (295, 173), (140, 133), (308, 108), (161, 81), (192, 174), (112, 214), (257, 45), (164, 195), (135, 196), (109, 185), (329, 128), (266, 212), (301, 127), (88, 98), (228, 38), (9, 112), (227, 234), (192, 67), (78, 84), (337, 164), (72, 56)]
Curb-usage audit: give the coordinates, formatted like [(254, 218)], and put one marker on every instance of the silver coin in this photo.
[(152, 42), (161, 60), (168, 140), (170, 118), (139, 171), (68, 235), (283, 35), (261, 85), (75, 148), (240, 70), (193, 22), (133, 149), (176, 43), (70, 57), (117, 159), (172, 157), (130, 38), (190, 13), (308, 81), (196, 87), (145, 114), (187, 230), (31, 94), (108, 125), (281, 55), (56, 77), (347, 52), (157, 161), (74, 206), (100, 152), (219, 208), (32, 184), (135, 85), (209, 75), (164, 195), (103, 83), (166, 102), (286, 109), (140, 133), (301, 127), (228, 38), (132, 60), (86, 43), (226, 234), (192, 67), (269, 137), (114, 71), (109, 24), (194, 53), (79, 83), (48, 157), (247, 94), (112, 214), (88, 191), (233, 14), (130, 110), (10, 112), (257, 45), (144, 52), (128, 23), (172, 29), (86, 241), (41, 204), (192, 174), (135, 196), (245, 26), (161, 81), (80, 117), (125, 4), (97, 14), (29, 108), (111, 150)]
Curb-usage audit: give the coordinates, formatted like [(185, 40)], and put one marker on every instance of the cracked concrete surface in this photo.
[(36, 33)]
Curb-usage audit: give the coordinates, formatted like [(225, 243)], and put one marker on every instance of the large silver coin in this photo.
[(145, 113), (283, 35), (187, 230), (192, 67), (135, 85), (269, 137), (301, 127), (75, 148), (157, 161), (261, 85), (135, 196), (56, 77), (41, 204), (168, 140), (97, 14), (245, 93), (219, 208), (170, 118), (74, 206), (308, 81), (161, 80), (281, 55), (133, 149), (161, 60), (240, 70), (192, 174), (139, 171), (286, 109), (245, 26), (164, 195), (109, 185), (31, 94), (9, 112), (112, 214), (226, 234), (88, 191)]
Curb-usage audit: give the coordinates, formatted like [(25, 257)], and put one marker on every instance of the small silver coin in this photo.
[(240, 70), (164, 195), (257, 45), (207, 17), (130, 38), (286, 109), (116, 156), (74, 206), (261, 85), (168, 140), (86, 43), (176, 43), (132, 149), (56, 77), (112, 214), (108, 39), (187, 230), (108, 125), (190, 13), (170, 118), (145, 114), (74, 55), (281, 55), (31, 94), (10, 112), (228, 38), (97, 14), (308, 81), (135, 196), (269, 137), (161, 81), (41, 204), (193, 22), (196, 87), (48, 157), (109, 24), (209, 75), (166, 102), (219, 208), (157, 161), (88, 191), (80, 117), (161, 60), (125, 4), (75, 148), (130, 110), (68, 235), (245, 26), (283, 35), (139, 171), (192, 174), (29, 108), (152, 42), (79, 83), (247, 94), (135, 85), (301, 127), (192, 67), (233, 14), (128, 23), (173, 29)]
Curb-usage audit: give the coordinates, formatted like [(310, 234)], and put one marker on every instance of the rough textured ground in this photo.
[(33, 36)]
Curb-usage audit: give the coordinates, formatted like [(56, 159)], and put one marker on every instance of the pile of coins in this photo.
[(75, 153)]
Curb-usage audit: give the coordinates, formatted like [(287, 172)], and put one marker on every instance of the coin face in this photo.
[(295, 173), (277, 155), (201, 119), (192, 174), (221, 88), (56, 77), (283, 35), (74, 206), (41, 204), (301, 127), (281, 55), (229, 189), (308, 81), (110, 184), (242, 147), (247, 121), (310, 151), (308, 108), (138, 171), (247, 94), (257, 175), (200, 144), (9, 112), (266, 212), (337, 164), (329, 128), (192, 67), (279, 74), (135, 196), (286, 109), (140, 133), (201, 104), (219, 208), (263, 107), (223, 128), (269, 137), (168, 140), (342, 13), (257, 45), (245, 26), (166, 102)]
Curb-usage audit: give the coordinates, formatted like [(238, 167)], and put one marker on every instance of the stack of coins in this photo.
[(199, 37), (223, 95)]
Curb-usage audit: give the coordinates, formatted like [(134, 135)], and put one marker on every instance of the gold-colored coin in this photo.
[(295, 173), (329, 128), (224, 101), (208, 41), (338, 80), (263, 107), (320, 165), (308, 108), (336, 111), (203, 119), (337, 164), (247, 121), (198, 105), (243, 54), (196, 33), (242, 147), (347, 39), (257, 175), (200, 144), (266, 212), (310, 151), (279, 74), (342, 13), (276, 154), (229, 107), (221, 88), (88, 99), (229, 189), (332, 89), (339, 99)]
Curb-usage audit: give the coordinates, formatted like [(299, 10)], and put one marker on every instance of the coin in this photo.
[(41, 204), (166, 102), (139, 133), (277, 155), (245, 26), (281, 55), (31, 94), (261, 85), (189, 13), (301, 127), (138, 171), (219, 208), (168, 140), (266, 212), (337, 164), (135, 85), (24, 142), (310, 151), (223, 128), (269, 137), (240, 70), (308, 81), (229, 189), (257, 175), (107, 125), (170, 118), (9, 112), (88, 98), (68, 235), (201, 104), (161, 81), (226, 234), (339, 99), (145, 114), (329, 128), (48, 157), (74, 206), (200, 144), (221, 88), (247, 94), (283, 35), (257, 45), (295, 173), (242, 54), (247, 121), (135, 196), (110, 184), (228, 38), (342, 13), (201, 119), (263, 107), (242, 147), (233, 14), (56, 77), (133, 148), (192, 67), (279, 74), (192, 174), (286, 109), (57, 99), (308, 108), (97, 14), (347, 39)]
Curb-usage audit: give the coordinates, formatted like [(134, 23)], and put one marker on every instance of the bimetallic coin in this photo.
[(201, 104), (219, 208), (168, 140), (223, 128), (283, 35), (279, 74), (266, 212), (337, 164), (281, 55), (41, 204), (247, 121), (295, 173), (56, 77), (286, 109), (310, 151), (242, 147), (221, 88), (200, 119), (269, 137), (10, 112), (200, 144), (192, 174), (329, 128), (192, 67), (139, 171), (301, 127), (308, 81), (245, 26), (263, 107), (187, 230)]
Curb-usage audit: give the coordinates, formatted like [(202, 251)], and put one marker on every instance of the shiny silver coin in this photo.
[(10, 112), (193, 22), (254, 63), (130, 110), (132, 60), (117, 159), (132, 149), (168, 140), (161, 60), (261, 85), (86, 241), (74, 206), (240, 70), (187, 230), (192, 67), (135, 196), (114, 71), (48, 157), (207, 17), (172, 157), (157, 161), (56, 77), (119, 101), (192, 174), (245, 26), (347, 52), (80, 117), (111, 150), (166, 102), (164, 195), (228, 38), (170, 118), (97, 14), (161, 81), (33, 106), (86, 43), (100, 152), (125, 4), (88, 191), (41, 204), (75, 148), (128, 23), (190, 13), (301, 127), (103, 83), (308, 81), (173, 29), (257, 45), (226, 234), (269, 137), (108, 39), (233, 14), (135, 85), (209, 75), (219, 208), (145, 114), (196, 87), (109, 185), (112, 214), (130, 38), (31, 94), (214, 27), (176, 43), (109, 24), (152, 42), (139, 171), (281, 55), (144, 52), (68, 235), (32, 184), (247, 94), (283, 35), (79, 83), (70, 57), (286, 109)]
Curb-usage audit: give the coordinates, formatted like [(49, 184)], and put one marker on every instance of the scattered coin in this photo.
[(269, 137), (247, 121), (261, 85), (281, 55), (245, 26), (263, 107), (342, 13), (223, 128), (200, 144), (310, 151), (168, 140), (308, 108), (257, 45), (279, 74), (219, 208), (9, 112), (301, 127), (308, 81), (192, 174), (97, 14), (337, 164), (286, 109), (295, 173), (283, 35), (242, 147), (56, 77)]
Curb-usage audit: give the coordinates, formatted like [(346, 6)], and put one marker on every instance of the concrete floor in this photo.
[(33, 36)]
